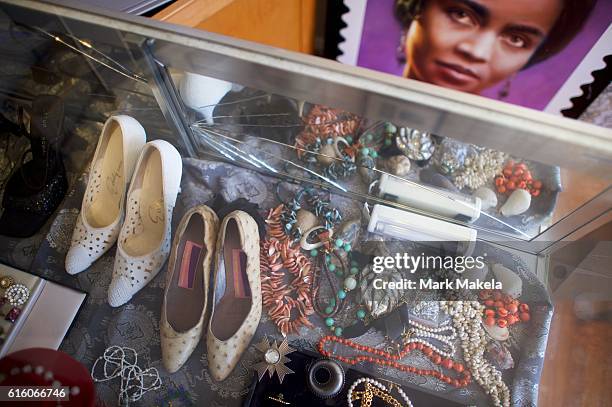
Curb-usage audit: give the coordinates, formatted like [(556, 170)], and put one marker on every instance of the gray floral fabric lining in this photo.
[(136, 324)]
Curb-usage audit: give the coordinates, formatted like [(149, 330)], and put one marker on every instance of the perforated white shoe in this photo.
[(144, 240), (101, 216)]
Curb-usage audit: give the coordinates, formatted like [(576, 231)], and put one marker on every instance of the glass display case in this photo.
[(342, 165)]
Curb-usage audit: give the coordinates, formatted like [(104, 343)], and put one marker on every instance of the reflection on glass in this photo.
[(59, 83), (379, 161)]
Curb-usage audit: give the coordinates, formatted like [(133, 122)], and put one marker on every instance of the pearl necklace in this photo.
[(122, 362), (418, 330), (467, 317), (368, 394)]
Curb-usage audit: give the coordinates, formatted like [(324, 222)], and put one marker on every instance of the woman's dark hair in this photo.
[(573, 16)]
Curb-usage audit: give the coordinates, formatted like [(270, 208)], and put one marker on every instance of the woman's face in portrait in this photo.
[(470, 45)]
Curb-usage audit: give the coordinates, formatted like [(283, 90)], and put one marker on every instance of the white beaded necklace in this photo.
[(378, 384), (467, 319), (134, 380), (417, 332)]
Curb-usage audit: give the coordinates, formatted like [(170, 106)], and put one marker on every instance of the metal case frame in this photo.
[(516, 130)]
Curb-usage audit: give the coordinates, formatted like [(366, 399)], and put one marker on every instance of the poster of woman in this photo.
[(525, 52)]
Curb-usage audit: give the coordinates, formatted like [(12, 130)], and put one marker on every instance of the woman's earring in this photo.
[(505, 90), (400, 52)]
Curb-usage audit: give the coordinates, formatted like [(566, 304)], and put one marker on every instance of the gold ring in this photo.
[(6, 282)]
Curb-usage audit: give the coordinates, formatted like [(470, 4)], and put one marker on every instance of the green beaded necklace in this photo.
[(350, 283)]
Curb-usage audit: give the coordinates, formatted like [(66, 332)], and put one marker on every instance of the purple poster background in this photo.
[(533, 87)]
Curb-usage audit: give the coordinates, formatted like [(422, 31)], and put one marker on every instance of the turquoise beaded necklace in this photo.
[(327, 257), (350, 283)]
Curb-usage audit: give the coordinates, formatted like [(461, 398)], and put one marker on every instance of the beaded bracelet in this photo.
[(502, 309), (321, 208), (336, 168), (326, 128), (329, 123)]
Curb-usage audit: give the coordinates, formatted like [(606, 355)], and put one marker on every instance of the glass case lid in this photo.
[(508, 172)]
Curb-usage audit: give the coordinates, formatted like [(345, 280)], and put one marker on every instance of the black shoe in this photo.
[(54, 62), (38, 187)]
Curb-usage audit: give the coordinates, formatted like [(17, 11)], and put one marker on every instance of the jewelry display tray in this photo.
[(11, 330), (50, 306), (236, 118), (159, 54)]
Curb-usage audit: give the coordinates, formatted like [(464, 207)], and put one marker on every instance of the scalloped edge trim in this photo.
[(591, 91), (582, 75), (349, 48)]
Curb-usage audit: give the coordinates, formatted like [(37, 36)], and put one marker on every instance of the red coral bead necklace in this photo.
[(381, 357)]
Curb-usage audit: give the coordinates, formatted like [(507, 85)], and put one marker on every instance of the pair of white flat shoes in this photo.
[(140, 222)]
